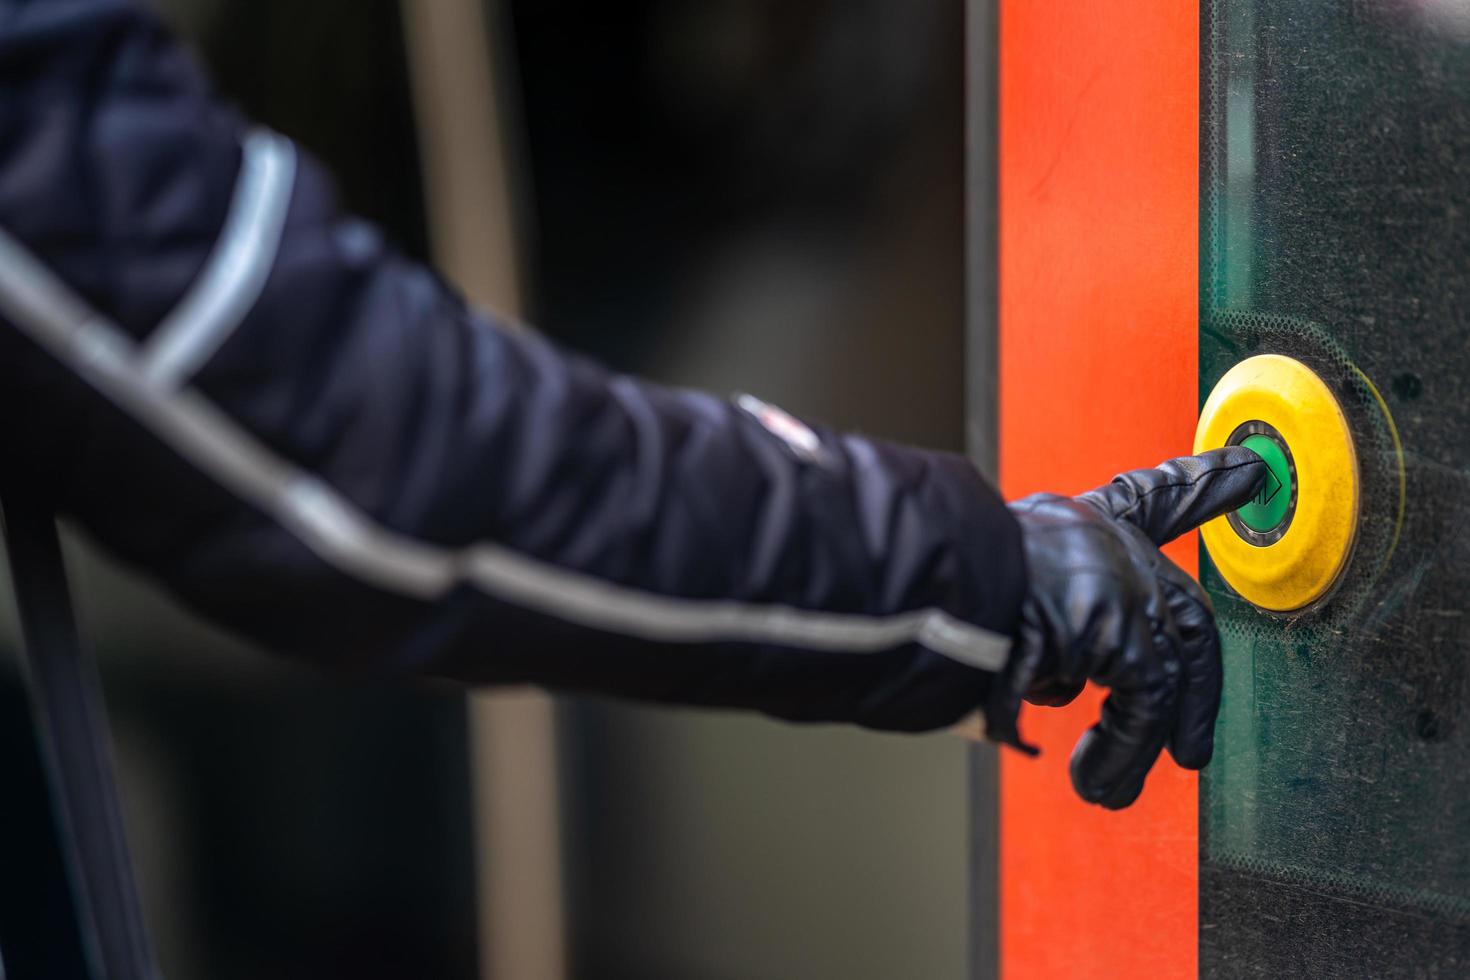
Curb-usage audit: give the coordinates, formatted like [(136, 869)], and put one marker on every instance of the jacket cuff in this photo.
[(994, 578)]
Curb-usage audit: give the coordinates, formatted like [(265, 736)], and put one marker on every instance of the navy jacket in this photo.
[(253, 399)]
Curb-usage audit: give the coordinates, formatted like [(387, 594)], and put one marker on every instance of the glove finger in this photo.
[(1175, 496), (1113, 757), (1192, 742), (1048, 677)]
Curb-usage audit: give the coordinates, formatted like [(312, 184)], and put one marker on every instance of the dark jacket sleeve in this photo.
[(247, 395)]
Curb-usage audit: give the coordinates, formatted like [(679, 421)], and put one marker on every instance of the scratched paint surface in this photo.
[(1099, 175), (1336, 218)]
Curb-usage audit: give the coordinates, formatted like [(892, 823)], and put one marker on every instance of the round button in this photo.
[(1270, 509), (1285, 549)]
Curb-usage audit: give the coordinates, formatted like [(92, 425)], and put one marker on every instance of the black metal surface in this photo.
[(1262, 925), (72, 729), (1335, 228), (982, 273)]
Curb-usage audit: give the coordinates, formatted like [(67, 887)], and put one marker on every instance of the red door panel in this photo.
[(1099, 177)]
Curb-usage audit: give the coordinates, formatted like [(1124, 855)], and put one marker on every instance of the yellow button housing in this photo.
[(1298, 568)]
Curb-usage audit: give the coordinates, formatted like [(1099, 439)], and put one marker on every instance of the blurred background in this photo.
[(732, 195)]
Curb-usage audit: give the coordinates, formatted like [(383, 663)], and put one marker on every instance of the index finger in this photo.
[(1181, 494)]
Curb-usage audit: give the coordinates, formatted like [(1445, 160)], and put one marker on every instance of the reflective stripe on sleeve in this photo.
[(349, 539)]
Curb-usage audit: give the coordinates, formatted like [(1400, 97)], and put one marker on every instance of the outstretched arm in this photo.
[(251, 397)]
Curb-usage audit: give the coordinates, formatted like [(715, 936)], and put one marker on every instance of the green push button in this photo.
[(1272, 503)]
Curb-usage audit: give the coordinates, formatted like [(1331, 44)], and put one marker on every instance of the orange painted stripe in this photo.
[(1099, 171)]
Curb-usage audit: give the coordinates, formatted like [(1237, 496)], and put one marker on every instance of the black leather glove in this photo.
[(1105, 605)]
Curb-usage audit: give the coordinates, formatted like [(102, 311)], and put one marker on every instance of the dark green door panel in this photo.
[(1335, 228)]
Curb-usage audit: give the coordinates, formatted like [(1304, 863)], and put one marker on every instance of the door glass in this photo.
[(1335, 220)]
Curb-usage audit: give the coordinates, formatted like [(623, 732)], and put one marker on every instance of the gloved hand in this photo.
[(1105, 605)]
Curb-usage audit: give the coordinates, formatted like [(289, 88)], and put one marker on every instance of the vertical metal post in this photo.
[(982, 45), (66, 701), (468, 142)]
